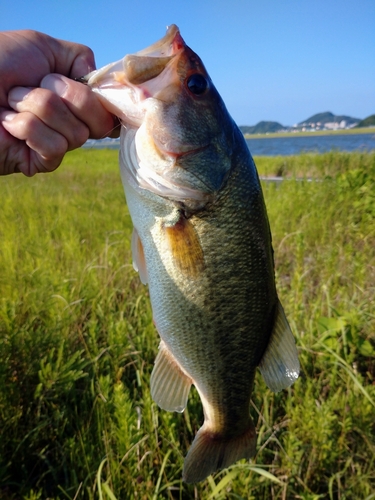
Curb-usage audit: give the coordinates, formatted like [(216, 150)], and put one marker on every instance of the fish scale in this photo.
[(202, 243)]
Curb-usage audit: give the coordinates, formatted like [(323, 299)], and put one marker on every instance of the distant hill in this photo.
[(328, 117), (319, 121), (367, 122), (262, 128)]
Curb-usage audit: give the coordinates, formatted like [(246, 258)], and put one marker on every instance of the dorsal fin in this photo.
[(279, 365)]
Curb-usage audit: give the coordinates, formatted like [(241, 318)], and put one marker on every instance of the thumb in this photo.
[(83, 64), (72, 59)]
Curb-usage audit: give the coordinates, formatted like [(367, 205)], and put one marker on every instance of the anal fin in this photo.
[(279, 365), (170, 386), (139, 262)]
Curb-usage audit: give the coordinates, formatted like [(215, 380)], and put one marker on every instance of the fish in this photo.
[(202, 243)]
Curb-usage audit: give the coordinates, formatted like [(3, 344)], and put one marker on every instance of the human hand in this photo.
[(44, 115)]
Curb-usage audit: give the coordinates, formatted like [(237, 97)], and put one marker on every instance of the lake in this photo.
[(284, 146), (293, 145)]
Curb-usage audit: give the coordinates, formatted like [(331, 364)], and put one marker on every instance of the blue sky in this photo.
[(279, 60)]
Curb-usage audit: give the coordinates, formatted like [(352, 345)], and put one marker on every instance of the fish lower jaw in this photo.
[(176, 150), (161, 186)]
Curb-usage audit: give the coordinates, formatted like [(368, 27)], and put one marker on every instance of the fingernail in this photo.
[(82, 66), (7, 116), (55, 83), (16, 95)]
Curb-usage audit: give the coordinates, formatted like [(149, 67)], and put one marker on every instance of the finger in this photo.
[(78, 58), (67, 58), (16, 156), (83, 103), (10, 155), (52, 111), (30, 55), (47, 146)]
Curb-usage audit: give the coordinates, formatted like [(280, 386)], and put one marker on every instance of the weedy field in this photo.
[(77, 343)]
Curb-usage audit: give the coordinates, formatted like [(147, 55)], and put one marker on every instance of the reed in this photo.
[(77, 343)]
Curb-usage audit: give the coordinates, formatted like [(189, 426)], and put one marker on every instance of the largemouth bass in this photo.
[(202, 242)]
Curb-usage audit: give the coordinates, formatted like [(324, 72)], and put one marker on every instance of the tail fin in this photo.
[(211, 452)]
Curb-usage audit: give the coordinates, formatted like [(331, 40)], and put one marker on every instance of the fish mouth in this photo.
[(171, 43), (138, 68), (125, 85), (150, 62)]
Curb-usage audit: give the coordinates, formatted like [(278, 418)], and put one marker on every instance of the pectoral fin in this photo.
[(279, 365), (184, 244), (170, 386), (139, 262)]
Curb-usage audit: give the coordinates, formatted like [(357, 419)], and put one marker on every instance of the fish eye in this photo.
[(197, 84)]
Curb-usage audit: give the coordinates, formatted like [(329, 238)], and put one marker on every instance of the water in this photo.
[(293, 145), (285, 146)]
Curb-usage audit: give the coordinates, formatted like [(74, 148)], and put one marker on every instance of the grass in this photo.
[(319, 166), (349, 131), (77, 343)]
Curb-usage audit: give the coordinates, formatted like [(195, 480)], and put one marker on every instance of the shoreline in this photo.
[(275, 135)]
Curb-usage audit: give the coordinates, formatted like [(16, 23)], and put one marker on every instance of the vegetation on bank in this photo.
[(367, 122), (348, 131), (77, 343)]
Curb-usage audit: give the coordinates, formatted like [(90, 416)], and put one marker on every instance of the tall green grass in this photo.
[(77, 343)]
